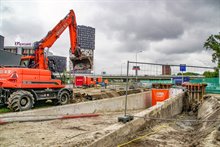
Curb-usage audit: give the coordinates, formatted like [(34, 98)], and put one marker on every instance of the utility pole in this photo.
[(136, 70)]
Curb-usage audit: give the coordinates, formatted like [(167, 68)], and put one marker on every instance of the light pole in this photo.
[(136, 69), (121, 68)]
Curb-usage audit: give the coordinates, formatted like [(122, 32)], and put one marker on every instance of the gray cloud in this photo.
[(168, 31), (136, 24), (31, 31), (142, 20), (6, 9), (14, 25)]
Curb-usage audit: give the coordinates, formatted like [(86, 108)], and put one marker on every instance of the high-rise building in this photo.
[(86, 43)]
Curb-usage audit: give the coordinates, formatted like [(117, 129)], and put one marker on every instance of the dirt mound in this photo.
[(102, 94)]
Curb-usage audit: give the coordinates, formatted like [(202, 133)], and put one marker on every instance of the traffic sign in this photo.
[(182, 67)]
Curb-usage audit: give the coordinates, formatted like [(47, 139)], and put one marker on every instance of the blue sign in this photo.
[(182, 67), (178, 80)]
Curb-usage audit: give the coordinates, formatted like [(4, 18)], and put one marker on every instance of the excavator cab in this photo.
[(27, 61)]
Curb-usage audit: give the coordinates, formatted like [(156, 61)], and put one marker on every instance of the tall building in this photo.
[(166, 70), (86, 43)]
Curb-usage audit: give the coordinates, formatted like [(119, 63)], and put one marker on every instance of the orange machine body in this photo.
[(26, 78)]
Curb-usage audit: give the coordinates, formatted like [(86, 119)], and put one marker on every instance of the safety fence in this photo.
[(172, 75), (213, 85)]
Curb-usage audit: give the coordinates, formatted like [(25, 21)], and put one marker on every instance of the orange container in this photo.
[(79, 81), (99, 79), (159, 95)]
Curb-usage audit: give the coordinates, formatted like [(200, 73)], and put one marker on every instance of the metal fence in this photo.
[(164, 73), (157, 69)]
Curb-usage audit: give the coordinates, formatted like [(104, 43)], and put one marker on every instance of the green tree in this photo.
[(213, 43), (209, 74), (189, 74)]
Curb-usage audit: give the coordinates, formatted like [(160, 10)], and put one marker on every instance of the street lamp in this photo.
[(136, 71), (121, 68)]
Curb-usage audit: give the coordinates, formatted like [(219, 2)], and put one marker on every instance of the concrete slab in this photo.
[(135, 101)]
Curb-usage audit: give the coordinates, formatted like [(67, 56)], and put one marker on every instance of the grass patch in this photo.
[(37, 105), (4, 110)]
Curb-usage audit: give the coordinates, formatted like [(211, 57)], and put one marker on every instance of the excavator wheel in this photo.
[(63, 97), (20, 101)]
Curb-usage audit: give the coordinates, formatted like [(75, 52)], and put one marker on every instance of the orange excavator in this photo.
[(22, 86)]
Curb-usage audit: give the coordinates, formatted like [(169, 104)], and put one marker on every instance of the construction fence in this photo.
[(213, 85), (171, 74)]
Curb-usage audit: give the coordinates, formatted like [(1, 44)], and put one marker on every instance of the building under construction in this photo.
[(86, 43)]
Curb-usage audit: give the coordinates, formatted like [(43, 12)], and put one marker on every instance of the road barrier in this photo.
[(159, 95)]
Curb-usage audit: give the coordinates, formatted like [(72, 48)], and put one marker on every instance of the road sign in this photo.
[(180, 80), (182, 67), (136, 68)]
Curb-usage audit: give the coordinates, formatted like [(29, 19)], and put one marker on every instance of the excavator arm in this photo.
[(69, 21)]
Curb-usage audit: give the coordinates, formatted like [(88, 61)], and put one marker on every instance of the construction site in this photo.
[(48, 99)]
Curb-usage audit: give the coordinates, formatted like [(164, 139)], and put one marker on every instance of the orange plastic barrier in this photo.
[(159, 95)]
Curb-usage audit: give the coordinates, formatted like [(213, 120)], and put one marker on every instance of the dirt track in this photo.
[(72, 132)]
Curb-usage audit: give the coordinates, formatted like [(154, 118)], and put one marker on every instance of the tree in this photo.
[(213, 43), (189, 74), (209, 74)]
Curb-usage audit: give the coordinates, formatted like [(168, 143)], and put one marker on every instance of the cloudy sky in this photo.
[(167, 31)]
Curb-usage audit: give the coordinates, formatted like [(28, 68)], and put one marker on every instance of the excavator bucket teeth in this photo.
[(82, 63)]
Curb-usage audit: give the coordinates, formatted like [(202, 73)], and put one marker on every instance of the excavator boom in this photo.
[(69, 21)]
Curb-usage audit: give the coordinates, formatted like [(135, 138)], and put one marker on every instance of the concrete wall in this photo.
[(135, 101), (121, 133)]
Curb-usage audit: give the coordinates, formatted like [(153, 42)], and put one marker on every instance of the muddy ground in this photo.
[(72, 132), (173, 133)]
